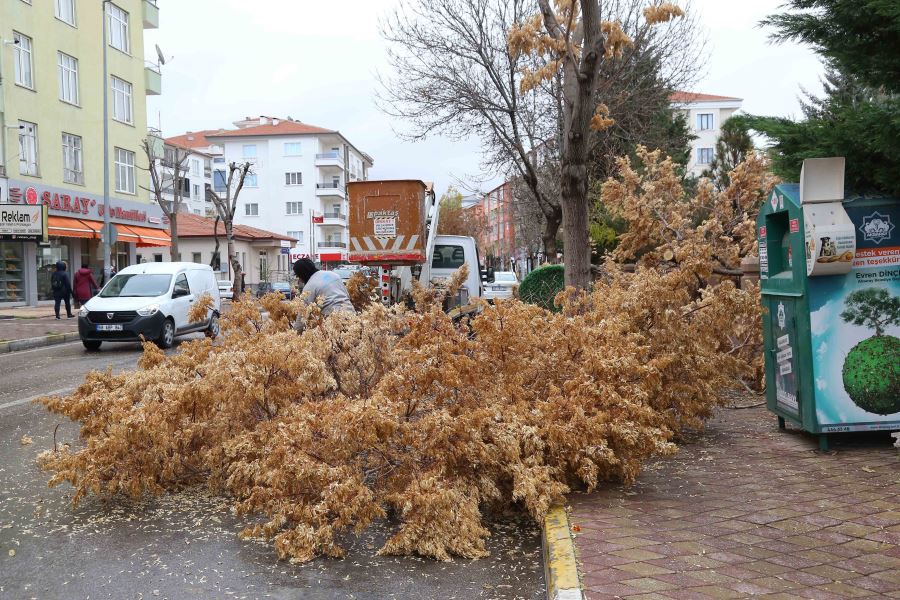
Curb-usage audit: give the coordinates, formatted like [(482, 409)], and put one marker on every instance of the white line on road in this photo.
[(58, 392)]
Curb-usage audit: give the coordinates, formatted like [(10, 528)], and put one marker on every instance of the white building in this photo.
[(203, 156), (296, 186), (705, 114)]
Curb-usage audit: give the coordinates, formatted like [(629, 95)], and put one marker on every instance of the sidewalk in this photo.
[(747, 510), (31, 322)]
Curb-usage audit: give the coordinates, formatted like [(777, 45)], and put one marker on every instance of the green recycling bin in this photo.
[(830, 281)]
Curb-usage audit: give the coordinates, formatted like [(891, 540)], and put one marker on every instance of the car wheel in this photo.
[(167, 335), (212, 331), (91, 345)]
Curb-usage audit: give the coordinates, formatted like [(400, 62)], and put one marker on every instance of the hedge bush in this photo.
[(542, 285)]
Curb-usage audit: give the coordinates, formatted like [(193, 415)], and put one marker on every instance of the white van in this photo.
[(150, 299)]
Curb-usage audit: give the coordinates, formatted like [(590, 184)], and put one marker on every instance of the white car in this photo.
[(150, 300), (226, 289), (502, 286)]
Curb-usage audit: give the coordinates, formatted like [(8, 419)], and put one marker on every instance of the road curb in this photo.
[(38, 342), (560, 565)]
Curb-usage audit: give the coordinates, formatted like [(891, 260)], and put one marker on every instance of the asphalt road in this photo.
[(185, 545)]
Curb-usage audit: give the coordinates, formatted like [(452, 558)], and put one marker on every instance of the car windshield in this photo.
[(138, 285), (448, 257), (505, 276)]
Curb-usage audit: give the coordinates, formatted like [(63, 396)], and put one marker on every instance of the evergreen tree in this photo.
[(732, 147), (859, 37)]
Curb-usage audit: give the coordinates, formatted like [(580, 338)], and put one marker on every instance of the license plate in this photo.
[(498, 288), (109, 328)]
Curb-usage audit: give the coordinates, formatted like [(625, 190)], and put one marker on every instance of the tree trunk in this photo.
[(173, 232), (576, 240), (548, 235), (233, 263)]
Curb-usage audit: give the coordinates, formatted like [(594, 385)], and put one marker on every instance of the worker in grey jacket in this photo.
[(323, 288)]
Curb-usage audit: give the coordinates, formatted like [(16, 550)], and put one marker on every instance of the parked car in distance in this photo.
[(226, 289), (501, 287), (150, 300), (282, 287), (345, 273)]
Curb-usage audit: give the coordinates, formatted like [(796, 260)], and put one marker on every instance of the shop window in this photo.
[(195, 257), (46, 258), (157, 258), (12, 269)]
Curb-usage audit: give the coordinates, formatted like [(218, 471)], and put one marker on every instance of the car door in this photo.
[(182, 299)]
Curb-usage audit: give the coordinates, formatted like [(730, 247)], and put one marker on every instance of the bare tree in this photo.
[(226, 206), (167, 176), (578, 38), (453, 74)]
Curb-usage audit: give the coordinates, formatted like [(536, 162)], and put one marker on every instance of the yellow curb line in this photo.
[(560, 566)]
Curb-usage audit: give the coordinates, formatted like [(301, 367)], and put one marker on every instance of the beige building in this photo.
[(263, 254)]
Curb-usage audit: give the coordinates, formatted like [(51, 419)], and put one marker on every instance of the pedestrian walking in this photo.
[(84, 285), (61, 288)]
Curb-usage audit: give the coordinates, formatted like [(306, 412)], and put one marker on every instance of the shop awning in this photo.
[(68, 227), (144, 237)]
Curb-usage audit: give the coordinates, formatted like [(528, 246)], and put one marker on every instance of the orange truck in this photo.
[(393, 227)]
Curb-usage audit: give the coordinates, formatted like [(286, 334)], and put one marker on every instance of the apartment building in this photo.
[(296, 186), (705, 114), (51, 136), (498, 243)]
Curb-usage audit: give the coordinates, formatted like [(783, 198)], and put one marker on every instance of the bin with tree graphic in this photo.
[(831, 325)]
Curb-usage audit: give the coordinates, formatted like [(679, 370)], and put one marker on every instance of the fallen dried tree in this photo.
[(405, 413)]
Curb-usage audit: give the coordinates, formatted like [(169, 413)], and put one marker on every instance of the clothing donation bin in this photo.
[(830, 279)]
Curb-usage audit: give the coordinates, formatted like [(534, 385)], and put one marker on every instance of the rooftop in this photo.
[(692, 97), (190, 225), (272, 127), (193, 139)]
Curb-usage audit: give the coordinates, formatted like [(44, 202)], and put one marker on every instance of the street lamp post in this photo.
[(107, 260)]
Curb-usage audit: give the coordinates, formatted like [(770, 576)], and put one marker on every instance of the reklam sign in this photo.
[(23, 222)]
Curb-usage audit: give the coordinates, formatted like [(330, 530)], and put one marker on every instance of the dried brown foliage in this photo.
[(406, 413), (363, 290), (704, 237)]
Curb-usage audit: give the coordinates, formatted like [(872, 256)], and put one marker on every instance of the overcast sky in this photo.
[(316, 61)]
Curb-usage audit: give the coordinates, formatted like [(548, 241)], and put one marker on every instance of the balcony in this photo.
[(330, 189), (152, 81), (331, 244), (151, 14), (330, 159), (334, 218)]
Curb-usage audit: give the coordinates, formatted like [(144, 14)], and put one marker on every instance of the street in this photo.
[(186, 545)]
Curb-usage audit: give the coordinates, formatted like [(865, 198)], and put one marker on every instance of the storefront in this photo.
[(73, 236)]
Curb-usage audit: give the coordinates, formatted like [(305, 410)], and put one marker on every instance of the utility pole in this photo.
[(107, 233)]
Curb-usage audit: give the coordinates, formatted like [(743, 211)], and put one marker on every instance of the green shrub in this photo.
[(542, 285)]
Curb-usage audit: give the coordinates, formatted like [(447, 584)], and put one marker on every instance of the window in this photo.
[(195, 257), (297, 235), (22, 60), (195, 167), (250, 180), (157, 258), (293, 179), (704, 121), (292, 149), (65, 11), (251, 210), (181, 286), (704, 156), (293, 208), (196, 191), (219, 160), (448, 257), (73, 163), (117, 23), (263, 263), (28, 150), (124, 171), (249, 150), (68, 78), (122, 100), (219, 180)]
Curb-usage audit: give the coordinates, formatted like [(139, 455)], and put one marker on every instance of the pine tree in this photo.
[(732, 148)]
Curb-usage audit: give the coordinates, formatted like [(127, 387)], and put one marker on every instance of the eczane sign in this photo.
[(23, 222)]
